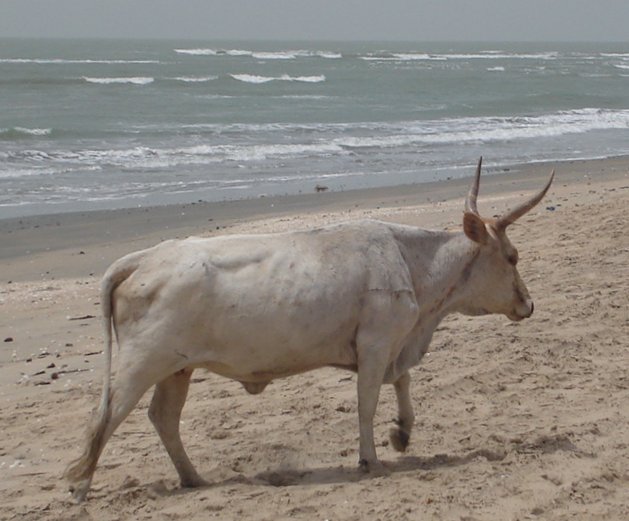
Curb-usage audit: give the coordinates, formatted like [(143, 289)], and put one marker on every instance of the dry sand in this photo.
[(514, 421)]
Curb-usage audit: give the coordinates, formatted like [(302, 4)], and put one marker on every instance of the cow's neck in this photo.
[(441, 285), (440, 264)]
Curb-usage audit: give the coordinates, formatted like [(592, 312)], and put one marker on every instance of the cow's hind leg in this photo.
[(135, 376), (401, 434), (165, 413), (371, 368)]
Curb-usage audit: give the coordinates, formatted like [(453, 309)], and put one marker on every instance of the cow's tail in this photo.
[(83, 467), (117, 273)]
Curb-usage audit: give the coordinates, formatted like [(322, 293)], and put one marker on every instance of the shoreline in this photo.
[(489, 170), (180, 216), (83, 244)]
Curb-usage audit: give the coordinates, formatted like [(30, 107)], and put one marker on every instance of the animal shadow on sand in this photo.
[(287, 477), (544, 444), (330, 475)]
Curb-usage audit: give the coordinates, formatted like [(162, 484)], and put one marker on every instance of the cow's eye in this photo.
[(512, 259)]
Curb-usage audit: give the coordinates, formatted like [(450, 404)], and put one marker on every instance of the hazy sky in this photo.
[(419, 20)]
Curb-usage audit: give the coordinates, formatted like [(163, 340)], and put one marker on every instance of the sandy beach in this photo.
[(515, 421)]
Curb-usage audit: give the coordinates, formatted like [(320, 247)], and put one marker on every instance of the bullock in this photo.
[(364, 296)]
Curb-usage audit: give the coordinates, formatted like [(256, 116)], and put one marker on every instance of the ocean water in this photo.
[(90, 124)]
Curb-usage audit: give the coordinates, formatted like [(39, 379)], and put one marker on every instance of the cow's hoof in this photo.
[(79, 490), (373, 468), (399, 439)]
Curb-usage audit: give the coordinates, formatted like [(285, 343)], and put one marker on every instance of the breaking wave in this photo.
[(196, 52), (21, 132), (331, 139), (194, 79), (261, 55), (252, 78), (490, 55), (108, 81)]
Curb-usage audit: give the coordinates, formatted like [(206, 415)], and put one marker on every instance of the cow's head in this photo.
[(496, 283)]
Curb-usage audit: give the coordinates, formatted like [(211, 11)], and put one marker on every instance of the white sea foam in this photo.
[(467, 130), (444, 129), (280, 55), (621, 66), (496, 69), (27, 172), (237, 52), (328, 54), (196, 52), (503, 56), (108, 81), (402, 57), (470, 56), (35, 131), (25, 131), (334, 139), (486, 129), (44, 171), (194, 79), (261, 55), (249, 164), (394, 135), (417, 56), (251, 78), (306, 79)]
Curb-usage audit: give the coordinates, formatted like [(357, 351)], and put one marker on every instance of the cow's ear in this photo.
[(474, 228)]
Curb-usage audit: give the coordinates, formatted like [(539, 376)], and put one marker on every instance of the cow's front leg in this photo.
[(377, 343), (401, 434)]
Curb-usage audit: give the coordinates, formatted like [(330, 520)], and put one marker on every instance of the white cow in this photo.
[(364, 296)]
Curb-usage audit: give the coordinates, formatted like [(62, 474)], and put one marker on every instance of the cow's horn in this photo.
[(520, 210), (470, 202)]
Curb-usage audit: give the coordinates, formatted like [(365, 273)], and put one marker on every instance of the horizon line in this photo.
[(309, 40)]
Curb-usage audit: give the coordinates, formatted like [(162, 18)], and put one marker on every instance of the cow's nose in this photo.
[(524, 310), (529, 306)]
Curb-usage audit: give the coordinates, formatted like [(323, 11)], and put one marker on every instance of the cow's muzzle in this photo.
[(525, 310)]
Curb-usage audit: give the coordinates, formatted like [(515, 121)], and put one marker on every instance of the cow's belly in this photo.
[(251, 330), (263, 344)]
